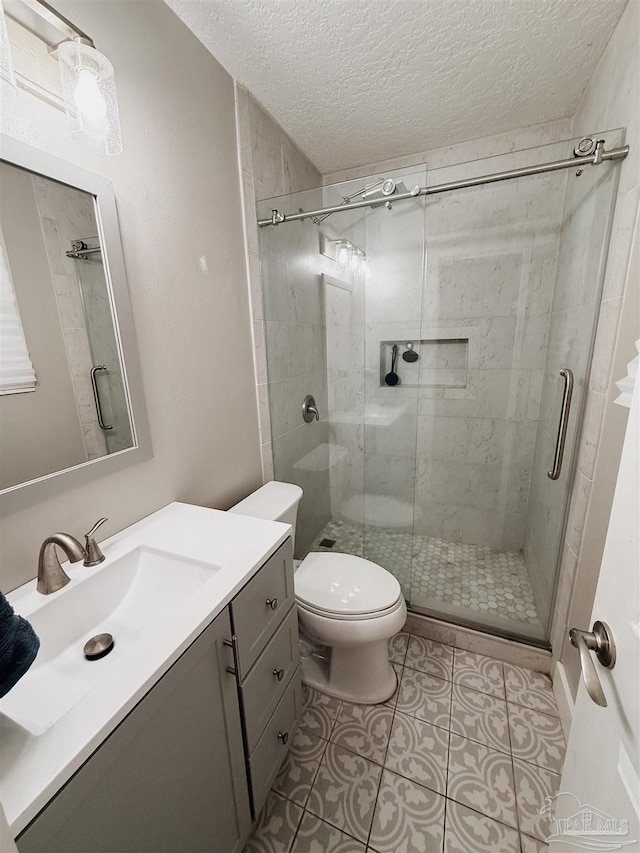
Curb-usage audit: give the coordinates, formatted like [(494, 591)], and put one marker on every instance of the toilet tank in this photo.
[(275, 502)]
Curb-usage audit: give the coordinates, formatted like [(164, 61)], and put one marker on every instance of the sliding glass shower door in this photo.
[(432, 333)]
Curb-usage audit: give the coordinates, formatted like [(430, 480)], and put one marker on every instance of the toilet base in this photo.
[(362, 675)]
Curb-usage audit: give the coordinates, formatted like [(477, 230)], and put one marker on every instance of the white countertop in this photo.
[(33, 768)]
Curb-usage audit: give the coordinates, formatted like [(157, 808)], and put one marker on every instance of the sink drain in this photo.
[(99, 646)]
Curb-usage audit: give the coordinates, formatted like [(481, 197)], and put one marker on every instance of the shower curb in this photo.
[(509, 651)]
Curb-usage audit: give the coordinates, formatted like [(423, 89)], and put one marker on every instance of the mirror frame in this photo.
[(18, 497)]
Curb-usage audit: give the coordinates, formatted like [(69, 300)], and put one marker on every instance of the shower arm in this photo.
[(598, 156)]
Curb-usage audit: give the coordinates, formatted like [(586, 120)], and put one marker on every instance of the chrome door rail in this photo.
[(96, 396), (554, 473), (599, 156)]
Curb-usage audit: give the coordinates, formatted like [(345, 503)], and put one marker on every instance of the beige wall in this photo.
[(40, 430), (177, 191), (611, 99)]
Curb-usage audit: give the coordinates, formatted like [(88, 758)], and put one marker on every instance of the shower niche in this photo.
[(433, 362)]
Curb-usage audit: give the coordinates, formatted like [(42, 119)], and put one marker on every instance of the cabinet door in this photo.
[(261, 605), (269, 678), (170, 778)]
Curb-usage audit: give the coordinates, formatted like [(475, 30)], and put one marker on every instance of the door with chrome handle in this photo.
[(599, 641)]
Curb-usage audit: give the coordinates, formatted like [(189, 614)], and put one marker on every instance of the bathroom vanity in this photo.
[(175, 743)]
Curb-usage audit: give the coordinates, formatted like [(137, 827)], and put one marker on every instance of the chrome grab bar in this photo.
[(96, 396), (554, 473)]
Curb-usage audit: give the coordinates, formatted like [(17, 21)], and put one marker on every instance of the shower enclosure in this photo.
[(443, 336), (109, 394)]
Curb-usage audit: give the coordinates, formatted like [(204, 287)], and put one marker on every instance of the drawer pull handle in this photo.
[(279, 674), (272, 603), (233, 645), (283, 737)]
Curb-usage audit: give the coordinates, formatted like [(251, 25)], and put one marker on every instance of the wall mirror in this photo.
[(71, 402)]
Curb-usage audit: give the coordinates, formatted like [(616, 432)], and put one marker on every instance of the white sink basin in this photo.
[(129, 597), (164, 579)]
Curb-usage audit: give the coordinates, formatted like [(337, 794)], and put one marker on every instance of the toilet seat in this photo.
[(341, 586), (346, 617)]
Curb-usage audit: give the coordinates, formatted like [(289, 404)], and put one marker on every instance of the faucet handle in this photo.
[(94, 554)]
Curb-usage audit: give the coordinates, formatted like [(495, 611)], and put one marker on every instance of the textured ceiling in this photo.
[(356, 81)]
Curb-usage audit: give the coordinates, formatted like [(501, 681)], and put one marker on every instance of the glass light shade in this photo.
[(8, 87), (355, 260), (89, 89), (342, 256)]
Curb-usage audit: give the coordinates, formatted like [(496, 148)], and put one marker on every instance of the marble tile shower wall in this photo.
[(583, 236), (287, 313), (345, 314), (459, 456), (65, 215), (491, 257), (611, 99)]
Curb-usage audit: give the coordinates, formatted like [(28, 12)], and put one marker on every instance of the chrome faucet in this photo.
[(51, 575)]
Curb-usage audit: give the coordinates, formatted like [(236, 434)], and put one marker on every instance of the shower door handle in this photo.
[(554, 473), (96, 396)]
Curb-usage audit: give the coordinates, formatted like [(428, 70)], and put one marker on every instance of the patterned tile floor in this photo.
[(440, 575), (459, 760)]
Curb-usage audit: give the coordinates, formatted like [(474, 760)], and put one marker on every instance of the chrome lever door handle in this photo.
[(600, 641)]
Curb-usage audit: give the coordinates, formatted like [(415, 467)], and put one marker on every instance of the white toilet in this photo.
[(349, 605)]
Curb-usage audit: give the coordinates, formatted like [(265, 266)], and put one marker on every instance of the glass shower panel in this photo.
[(393, 300), (496, 329), (431, 459), (312, 309)]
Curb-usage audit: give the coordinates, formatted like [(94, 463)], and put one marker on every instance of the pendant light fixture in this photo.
[(86, 75), (90, 99)]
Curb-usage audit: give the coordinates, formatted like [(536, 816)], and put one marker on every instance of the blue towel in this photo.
[(18, 646)]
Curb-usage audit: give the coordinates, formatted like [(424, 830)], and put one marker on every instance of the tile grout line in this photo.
[(446, 785), (384, 757), (471, 808), (513, 767)]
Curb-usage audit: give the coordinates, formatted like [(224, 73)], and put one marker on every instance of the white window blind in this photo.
[(16, 371)]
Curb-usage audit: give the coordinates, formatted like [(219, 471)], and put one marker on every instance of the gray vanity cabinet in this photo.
[(171, 777), (267, 655), (191, 763)]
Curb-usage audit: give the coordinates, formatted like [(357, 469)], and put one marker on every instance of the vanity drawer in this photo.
[(261, 605), (269, 678), (266, 759)]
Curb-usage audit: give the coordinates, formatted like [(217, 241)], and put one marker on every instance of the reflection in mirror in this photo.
[(57, 305)]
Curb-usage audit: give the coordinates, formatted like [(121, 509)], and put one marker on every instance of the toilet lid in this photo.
[(344, 584)]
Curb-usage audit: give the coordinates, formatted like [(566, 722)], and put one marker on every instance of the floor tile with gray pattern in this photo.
[(459, 760)]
